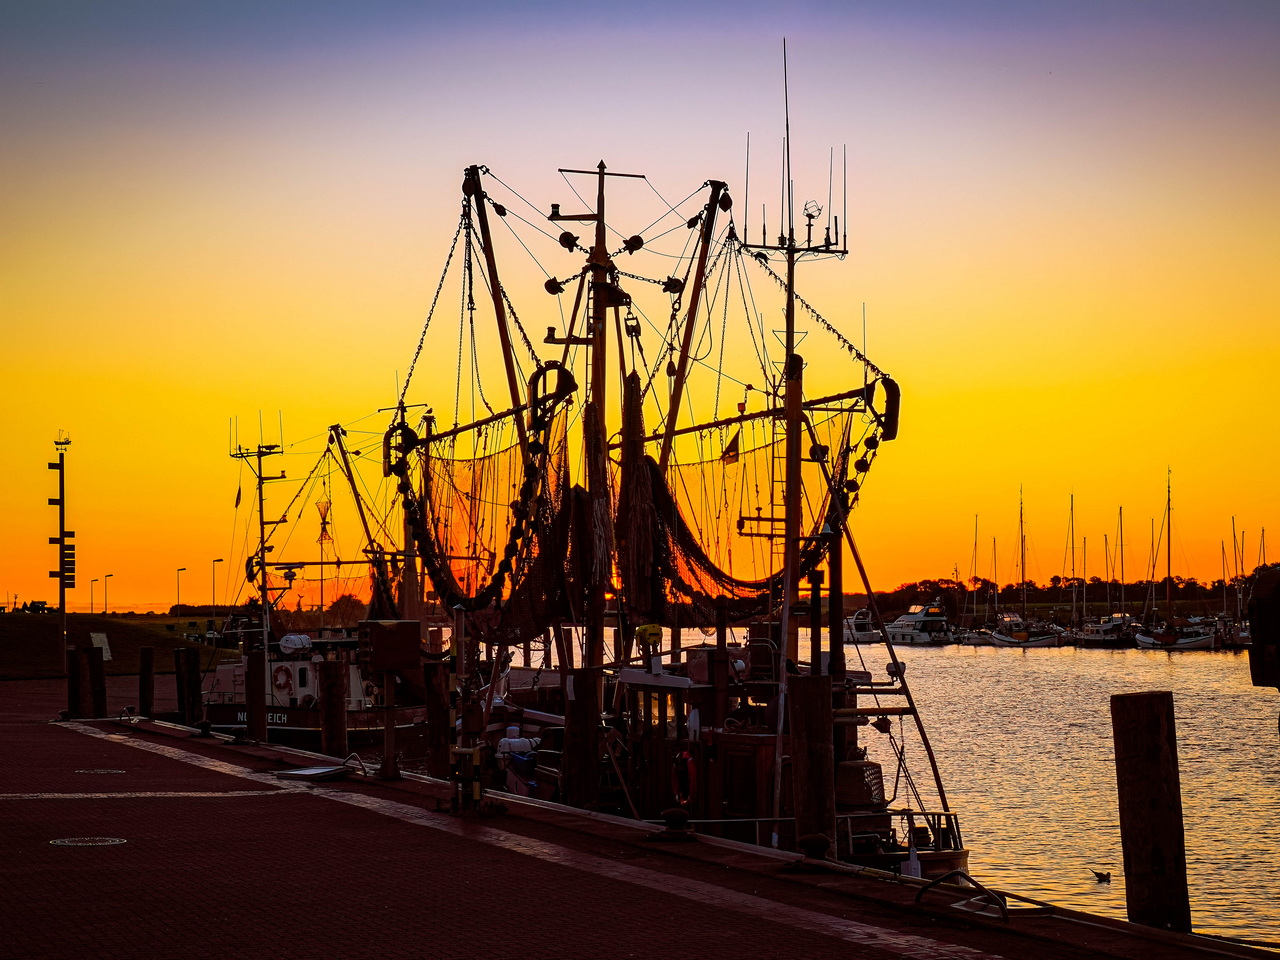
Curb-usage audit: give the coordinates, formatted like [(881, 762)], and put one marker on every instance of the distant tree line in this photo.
[(962, 598)]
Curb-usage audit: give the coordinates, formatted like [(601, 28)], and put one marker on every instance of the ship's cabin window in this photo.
[(302, 677)]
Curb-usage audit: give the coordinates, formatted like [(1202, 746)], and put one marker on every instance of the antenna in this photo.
[(844, 241), (746, 188), (786, 98)]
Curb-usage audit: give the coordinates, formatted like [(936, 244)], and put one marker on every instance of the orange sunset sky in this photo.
[(1064, 220)]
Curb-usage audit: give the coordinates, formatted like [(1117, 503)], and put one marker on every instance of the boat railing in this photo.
[(871, 831), (926, 830)]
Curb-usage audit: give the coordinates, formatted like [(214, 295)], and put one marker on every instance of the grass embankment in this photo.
[(29, 645)]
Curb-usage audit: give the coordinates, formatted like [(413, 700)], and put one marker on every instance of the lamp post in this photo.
[(177, 607), (213, 593), (104, 592), (92, 609)]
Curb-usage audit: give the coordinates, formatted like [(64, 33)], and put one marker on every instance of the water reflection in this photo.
[(1024, 743)]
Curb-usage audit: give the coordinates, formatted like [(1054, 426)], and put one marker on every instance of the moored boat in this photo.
[(1116, 630), (923, 623), (1177, 634), (1011, 630)]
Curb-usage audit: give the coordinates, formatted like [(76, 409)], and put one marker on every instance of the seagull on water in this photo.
[(1101, 877)]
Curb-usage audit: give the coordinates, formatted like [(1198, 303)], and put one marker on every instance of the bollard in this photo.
[(74, 683), (580, 762), (97, 682), (190, 678), (390, 768), (1151, 832), (332, 676), (813, 769), (179, 681), (815, 624), (440, 731), (146, 681)]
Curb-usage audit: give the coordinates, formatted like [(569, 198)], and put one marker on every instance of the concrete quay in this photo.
[(221, 859)]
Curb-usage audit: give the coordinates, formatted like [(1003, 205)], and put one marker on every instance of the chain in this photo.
[(823, 321), (430, 313)]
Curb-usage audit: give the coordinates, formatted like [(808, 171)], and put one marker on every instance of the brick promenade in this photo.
[(223, 860)]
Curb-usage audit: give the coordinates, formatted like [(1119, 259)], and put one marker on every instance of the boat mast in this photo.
[(259, 558), (604, 294), (1072, 528), (1168, 553), (1122, 610), (995, 581), (1022, 569), (474, 192), (1084, 578), (1108, 568), (686, 344)]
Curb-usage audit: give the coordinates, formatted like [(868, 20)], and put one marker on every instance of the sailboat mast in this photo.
[(1168, 526), (1122, 559), (1022, 567), (1072, 528), (1084, 578), (995, 580)]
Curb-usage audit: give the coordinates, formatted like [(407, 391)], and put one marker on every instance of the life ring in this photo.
[(282, 679)]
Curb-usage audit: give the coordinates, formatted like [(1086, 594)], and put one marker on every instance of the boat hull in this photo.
[(1002, 640), (1194, 642), (297, 725)]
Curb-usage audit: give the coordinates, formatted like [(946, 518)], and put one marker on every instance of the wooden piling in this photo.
[(813, 769), (835, 594), (815, 623), (74, 683), (840, 736), (1151, 831), (332, 678), (580, 761), (146, 681), (97, 682), (440, 732), (390, 768), (190, 678), (180, 688)]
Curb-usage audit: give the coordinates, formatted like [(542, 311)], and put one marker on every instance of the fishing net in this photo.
[(493, 532)]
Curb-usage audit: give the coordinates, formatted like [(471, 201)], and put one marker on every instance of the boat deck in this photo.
[(222, 859)]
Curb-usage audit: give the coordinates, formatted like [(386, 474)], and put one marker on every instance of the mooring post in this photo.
[(74, 682), (440, 729), (190, 678), (332, 675), (146, 681), (580, 762), (179, 681), (97, 682), (1151, 832), (815, 623), (835, 633), (390, 769), (813, 768)]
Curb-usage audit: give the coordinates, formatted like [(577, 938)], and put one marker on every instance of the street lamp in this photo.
[(213, 594), (91, 583), (177, 607), (104, 592)]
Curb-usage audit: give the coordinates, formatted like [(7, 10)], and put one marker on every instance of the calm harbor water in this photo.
[(1023, 739)]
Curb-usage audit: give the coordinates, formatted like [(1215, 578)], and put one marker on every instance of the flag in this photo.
[(239, 490), (730, 454)]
